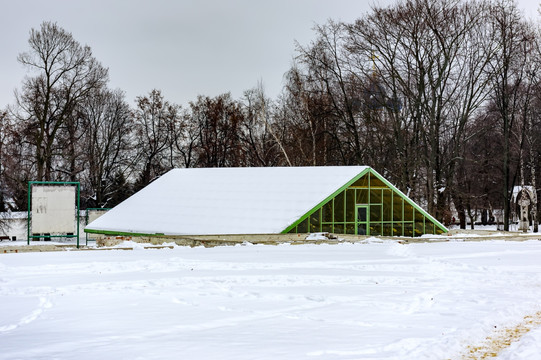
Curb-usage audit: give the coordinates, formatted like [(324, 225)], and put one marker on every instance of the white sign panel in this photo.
[(53, 209)]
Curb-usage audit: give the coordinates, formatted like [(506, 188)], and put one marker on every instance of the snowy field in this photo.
[(377, 300)]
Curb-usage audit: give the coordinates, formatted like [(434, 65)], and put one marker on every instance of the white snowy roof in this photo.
[(225, 200)]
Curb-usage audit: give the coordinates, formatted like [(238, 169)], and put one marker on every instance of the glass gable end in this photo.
[(368, 206)]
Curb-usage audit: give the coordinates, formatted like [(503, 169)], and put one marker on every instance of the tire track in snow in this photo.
[(502, 338)]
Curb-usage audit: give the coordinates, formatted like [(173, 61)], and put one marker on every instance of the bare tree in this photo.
[(327, 76), (218, 121), (155, 121), (4, 225), (184, 141), (64, 74), (3, 141), (514, 40), (17, 162), (433, 56), (307, 113), (262, 145), (107, 145)]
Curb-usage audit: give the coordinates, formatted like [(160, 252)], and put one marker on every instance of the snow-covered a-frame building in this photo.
[(352, 200)]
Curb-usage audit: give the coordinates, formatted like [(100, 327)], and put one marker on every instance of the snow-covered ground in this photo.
[(372, 300)]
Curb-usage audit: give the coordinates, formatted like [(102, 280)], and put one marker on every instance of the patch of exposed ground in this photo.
[(502, 338)]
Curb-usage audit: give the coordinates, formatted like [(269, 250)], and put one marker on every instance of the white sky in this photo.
[(183, 48)]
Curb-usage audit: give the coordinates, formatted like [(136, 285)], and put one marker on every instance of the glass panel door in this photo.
[(362, 220)]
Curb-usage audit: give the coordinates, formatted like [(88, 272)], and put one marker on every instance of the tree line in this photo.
[(441, 97)]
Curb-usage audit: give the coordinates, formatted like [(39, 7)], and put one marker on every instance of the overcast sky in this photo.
[(184, 48)]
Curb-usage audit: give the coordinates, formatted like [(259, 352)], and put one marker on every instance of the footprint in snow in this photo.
[(43, 305)]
